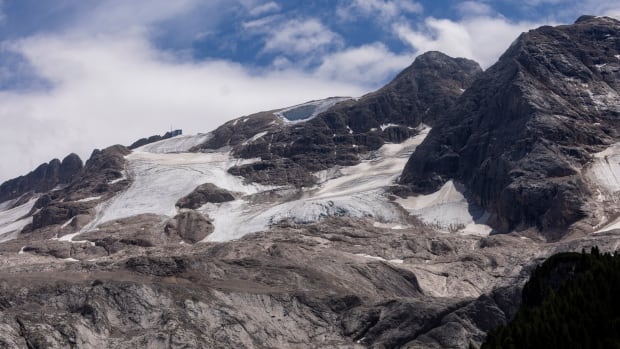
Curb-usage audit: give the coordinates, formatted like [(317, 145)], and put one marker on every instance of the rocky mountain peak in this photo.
[(44, 178), (522, 136), (344, 131)]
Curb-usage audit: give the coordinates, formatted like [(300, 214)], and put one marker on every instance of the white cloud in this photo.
[(261, 24), (384, 10), (113, 89), (308, 36), (263, 9), (364, 64), (482, 39), (474, 8)]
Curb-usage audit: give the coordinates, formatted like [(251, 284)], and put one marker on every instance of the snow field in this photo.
[(447, 209), (12, 221), (163, 172)]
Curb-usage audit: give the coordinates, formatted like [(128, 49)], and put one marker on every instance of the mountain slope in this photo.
[(522, 138), (347, 129), (283, 228)]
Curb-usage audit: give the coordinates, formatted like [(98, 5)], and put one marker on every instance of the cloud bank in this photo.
[(102, 77)]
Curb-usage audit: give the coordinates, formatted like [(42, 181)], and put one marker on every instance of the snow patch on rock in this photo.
[(306, 111), (13, 220), (448, 210), (178, 144), (160, 179), (605, 172), (354, 191)]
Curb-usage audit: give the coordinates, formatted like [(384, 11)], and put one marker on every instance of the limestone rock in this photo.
[(519, 136), (203, 194)]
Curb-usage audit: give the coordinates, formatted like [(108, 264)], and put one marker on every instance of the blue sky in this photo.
[(82, 74)]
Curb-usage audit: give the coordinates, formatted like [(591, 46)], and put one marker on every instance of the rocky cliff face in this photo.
[(521, 137), (44, 178), (349, 129), (72, 206)]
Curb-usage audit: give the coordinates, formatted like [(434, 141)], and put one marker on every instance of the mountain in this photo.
[(535, 139), (339, 131), (337, 223)]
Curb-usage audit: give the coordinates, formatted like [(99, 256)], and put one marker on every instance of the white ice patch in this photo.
[(178, 144), (355, 191), (11, 231), (384, 126), (92, 198), (447, 209), (69, 238), (394, 261), (306, 111), (159, 180), (605, 172), (12, 221), (122, 178), (392, 226), (66, 224), (611, 226), (255, 137), (5, 205)]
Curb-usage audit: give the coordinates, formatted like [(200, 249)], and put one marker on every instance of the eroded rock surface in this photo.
[(341, 283), (43, 179), (521, 135)]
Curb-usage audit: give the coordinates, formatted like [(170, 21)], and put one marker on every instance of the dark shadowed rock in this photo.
[(520, 135), (203, 194), (99, 179), (70, 167), (152, 139), (44, 178)]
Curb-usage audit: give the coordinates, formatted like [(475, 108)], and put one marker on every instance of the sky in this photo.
[(76, 75)]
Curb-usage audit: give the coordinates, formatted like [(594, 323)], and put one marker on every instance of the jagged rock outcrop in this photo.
[(101, 177), (43, 179), (520, 136), (203, 194), (152, 139), (348, 129)]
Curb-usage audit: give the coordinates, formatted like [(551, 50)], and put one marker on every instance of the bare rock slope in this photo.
[(522, 137)]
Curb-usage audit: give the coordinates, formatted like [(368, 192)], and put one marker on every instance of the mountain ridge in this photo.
[(283, 228), (524, 130)]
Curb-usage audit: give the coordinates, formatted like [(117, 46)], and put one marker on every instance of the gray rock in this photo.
[(43, 179), (190, 226), (203, 194), (518, 136)]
